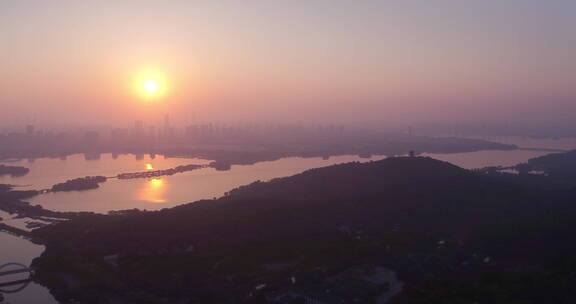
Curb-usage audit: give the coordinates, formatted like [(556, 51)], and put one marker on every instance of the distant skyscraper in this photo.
[(151, 134), (91, 136), (166, 127), (91, 140), (138, 128), (119, 136), (29, 130)]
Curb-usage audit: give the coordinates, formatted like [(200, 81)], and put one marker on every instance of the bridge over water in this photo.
[(12, 285)]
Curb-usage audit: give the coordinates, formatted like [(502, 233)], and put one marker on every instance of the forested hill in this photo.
[(391, 176), (556, 165), (439, 226)]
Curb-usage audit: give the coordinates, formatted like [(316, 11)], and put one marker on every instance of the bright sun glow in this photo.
[(151, 84), (153, 191), (156, 183), (149, 167)]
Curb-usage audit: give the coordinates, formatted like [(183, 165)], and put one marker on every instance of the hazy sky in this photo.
[(491, 60)]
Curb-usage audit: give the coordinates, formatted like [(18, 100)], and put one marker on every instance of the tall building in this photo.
[(166, 127), (152, 133), (138, 129), (29, 130), (118, 137), (92, 136), (91, 141)]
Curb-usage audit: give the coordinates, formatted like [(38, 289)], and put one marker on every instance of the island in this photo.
[(158, 173), (13, 170), (78, 184)]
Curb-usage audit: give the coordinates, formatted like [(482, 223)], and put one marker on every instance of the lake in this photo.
[(206, 183), (151, 193), (474, 160), (169, 191)]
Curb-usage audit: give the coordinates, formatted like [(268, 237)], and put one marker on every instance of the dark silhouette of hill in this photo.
[(556, 165), (440, 226)]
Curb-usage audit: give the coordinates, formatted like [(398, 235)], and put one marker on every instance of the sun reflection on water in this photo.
[(153, 191)]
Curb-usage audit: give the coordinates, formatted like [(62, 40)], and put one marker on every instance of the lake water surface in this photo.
[(169, 191), (207, 183), (152, 193)]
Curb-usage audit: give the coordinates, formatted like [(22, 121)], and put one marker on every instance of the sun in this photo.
[(151, 88), (151, 84)]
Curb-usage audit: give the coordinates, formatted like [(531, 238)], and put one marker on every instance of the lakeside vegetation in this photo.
[(13, 202), (555, 165)]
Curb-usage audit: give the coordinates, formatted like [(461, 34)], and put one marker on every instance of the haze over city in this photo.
[(287, 152), (75, 62)]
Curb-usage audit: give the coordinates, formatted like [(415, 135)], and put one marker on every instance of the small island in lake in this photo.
[(158, 173), (13, 170), (82, 183)]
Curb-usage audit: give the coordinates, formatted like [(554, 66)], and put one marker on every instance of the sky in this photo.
[(76, 62)]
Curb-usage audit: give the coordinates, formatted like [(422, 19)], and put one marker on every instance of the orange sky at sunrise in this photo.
[(300, 61)]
